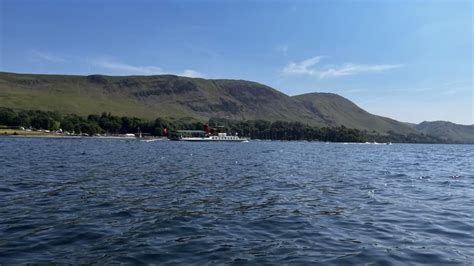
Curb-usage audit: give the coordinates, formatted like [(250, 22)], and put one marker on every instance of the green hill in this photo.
[(336, 111), (149, 97), (448, 131), (181, 97)]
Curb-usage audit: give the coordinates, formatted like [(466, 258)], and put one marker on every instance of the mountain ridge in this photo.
[(338, 110), (180, 97), (448, 131)]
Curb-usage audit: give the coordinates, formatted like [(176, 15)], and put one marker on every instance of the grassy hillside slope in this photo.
[(149, 97), (336, 111), (173, 96), (448, 131)]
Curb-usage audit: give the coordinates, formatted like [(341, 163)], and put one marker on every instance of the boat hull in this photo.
[(213, 140)]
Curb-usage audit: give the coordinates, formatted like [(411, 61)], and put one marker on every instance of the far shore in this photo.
[(41, 134), (58, 136)]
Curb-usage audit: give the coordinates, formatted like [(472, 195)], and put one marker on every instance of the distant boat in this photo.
[(208, 134), (220, 137)]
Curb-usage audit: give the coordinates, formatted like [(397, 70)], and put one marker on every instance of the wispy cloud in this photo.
[(106, 65), (308, 67), (43, 56), (304, 67), (349, 69), (191, 74), (126, 68)]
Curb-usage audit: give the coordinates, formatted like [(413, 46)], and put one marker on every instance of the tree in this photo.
[(8, 117)]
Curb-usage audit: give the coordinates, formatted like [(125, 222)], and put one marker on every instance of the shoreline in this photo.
[(76, 137), (166, 139)]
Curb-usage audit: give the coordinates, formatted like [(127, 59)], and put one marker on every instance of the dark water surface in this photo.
[(104, 201)]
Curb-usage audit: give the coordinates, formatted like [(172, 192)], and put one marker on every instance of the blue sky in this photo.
[(409, 60)]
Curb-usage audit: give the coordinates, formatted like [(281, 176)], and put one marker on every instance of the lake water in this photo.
[(105, 201)]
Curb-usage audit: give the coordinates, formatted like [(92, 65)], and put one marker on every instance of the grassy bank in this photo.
[(18, 132)]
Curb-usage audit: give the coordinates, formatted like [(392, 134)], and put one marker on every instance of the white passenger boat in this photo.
[(208, 134), (219, 137)]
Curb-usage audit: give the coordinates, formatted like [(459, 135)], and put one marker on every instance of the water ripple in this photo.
[(108, 201)]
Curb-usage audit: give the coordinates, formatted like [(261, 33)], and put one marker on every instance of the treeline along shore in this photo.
[(109, 124)]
